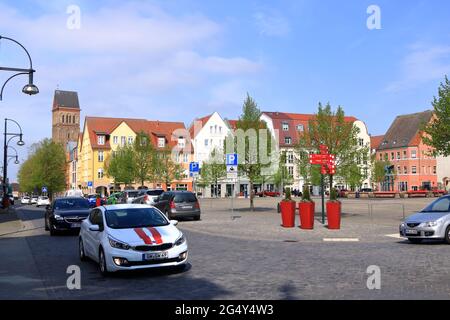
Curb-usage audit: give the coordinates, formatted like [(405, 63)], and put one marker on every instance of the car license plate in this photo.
[(409, 231), (186, 207), (75, 225), (156, 255)]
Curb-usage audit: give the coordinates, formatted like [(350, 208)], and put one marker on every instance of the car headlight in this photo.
[(430, 224), (180, 240), (403, 226), (118, 244), (58, 217)]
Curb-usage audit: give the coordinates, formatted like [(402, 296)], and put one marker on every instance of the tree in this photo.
[(281, 177), (379, 170), (145, 158), (253, 143), (341, 137), (45, 166), (121, 166), (167, 169), (214, 169), (437, 132)]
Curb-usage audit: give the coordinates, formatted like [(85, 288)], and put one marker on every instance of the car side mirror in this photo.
[(94, 227), (174, 222)]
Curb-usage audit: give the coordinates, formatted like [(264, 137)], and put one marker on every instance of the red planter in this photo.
[(334, 214), (306, 210), (287, 214)]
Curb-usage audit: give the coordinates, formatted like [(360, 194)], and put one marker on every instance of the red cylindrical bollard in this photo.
[(334, 214), (288, 214), (306, 215)]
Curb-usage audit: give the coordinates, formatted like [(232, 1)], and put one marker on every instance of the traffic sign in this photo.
[(44, 190), (232, 159), (194, 167), (232, 175), (89, 184), (232, 169)]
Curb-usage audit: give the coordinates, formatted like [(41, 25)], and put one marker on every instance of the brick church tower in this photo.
[(66, 117)]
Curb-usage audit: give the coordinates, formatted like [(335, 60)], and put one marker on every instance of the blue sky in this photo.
[(177, 60)]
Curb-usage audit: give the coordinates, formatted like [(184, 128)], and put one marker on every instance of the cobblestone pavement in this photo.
[(238, 267)]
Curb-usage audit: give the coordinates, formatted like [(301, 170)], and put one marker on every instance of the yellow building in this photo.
[(102, 136)]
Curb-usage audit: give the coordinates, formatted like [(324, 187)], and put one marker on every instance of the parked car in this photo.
[(180, 204), (130, 195), (131, 236), (43, 201), (366, 190), (34, 200), (66, 214), (267, 193), (433, 222), (148, 196), (73, 193), (116, 198), (92, 198), (25, 200)]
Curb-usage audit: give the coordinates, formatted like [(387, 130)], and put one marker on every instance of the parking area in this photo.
[(243, 255)]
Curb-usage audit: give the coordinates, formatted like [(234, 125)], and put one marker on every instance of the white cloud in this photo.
[(422, 65), (271, 23)]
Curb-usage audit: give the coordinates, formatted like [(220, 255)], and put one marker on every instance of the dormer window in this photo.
[(161, 142), (285, 126), (101, 140), (181, 142)]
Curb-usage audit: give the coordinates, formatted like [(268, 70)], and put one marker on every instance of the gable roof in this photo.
[(202, 121), (375, 141), (65, 99), (294, 120), (405, 129)]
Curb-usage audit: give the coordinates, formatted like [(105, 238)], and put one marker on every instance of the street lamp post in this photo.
[(29, 88), (5, 155)]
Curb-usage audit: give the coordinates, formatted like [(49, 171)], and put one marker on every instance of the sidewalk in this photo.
[(19, 276)]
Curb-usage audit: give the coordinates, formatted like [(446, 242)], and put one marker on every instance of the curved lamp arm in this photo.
[(26, 51), (3, 87)]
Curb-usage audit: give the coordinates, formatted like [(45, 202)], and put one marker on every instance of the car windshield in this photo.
[(135, 218), (71, 204), (184, 197), (154, 192), (440, 205)]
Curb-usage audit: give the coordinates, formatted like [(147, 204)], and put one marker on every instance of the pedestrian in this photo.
[(98, 201)]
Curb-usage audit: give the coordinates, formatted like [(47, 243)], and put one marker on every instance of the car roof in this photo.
[(125, 206), (65, 198)]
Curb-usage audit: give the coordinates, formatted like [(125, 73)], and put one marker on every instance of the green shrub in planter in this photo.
[(333, 194), (306, 196)]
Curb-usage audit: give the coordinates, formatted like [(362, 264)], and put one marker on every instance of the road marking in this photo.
[(340, 239), (394, 235)]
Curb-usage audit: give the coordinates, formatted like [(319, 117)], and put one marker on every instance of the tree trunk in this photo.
[(252, 206)]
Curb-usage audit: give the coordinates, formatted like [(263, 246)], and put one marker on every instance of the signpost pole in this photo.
[(322, 185)]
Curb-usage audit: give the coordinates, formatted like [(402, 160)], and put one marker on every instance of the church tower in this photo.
[(65, 117)]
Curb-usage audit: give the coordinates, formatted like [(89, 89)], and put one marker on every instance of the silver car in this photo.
[(148, 196), (433, 222)]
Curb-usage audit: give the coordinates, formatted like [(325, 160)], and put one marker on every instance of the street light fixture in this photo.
[(29, 88)]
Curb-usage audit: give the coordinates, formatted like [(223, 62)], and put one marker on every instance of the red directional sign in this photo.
[(325, 160)]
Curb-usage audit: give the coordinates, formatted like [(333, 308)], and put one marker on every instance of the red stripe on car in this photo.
[(156, 235), (141, 233)]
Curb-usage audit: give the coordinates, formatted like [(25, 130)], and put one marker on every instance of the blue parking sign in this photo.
[(194, 167), (232, 159)]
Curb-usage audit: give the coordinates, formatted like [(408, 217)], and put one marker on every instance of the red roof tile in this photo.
[(375, 141)]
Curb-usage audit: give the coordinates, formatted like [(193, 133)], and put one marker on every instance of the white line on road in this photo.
[(394, 235), (340, 239)]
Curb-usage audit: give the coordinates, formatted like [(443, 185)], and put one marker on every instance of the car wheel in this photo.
[(197, 218), (415, 240), (447, 235), (102, 263), (81, 250)]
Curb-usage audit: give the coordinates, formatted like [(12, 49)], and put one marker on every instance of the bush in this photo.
[(333, 194), (306, 197), (287, 195)]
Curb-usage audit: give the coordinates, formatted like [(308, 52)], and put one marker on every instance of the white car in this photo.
[(131, 236), (34, 200), (43, 201), (25, 200)]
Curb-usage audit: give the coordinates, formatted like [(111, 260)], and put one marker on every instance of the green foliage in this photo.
[(167, 169), (333, 194), (306, 196), (281, 177), (213, 170), (341, 137), (437, 132), (378, 170), (121, 165), (287, 195), (145, 157), (45, 166)]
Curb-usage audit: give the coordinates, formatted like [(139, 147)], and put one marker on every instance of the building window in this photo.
[(399, 170), (414, 154), (414, 170), (287, 140), (434, 170), (62, 118), (220, 129), (115, 139), (405, 170), (100, 173), (100, 156), (398, 155), (100, 140), (123, 140), (290, 158), (291, 172), (182, 187), (211, 129), (185, 157), (206, 142), (361, 142), (285, 126), (405, 155), (392, 156), (161, 142), (181, 142), (130, 140), (300, 128)]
